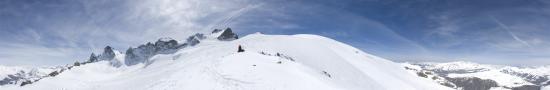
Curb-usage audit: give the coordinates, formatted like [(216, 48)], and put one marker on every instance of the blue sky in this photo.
[(510, 32)]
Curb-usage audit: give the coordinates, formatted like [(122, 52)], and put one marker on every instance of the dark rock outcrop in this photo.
[(166, 46), (473, 83), (26, 83), (546, 84), (93, 58), (527, 87), (142, 53), (228, 35), (76, 63), (195, 39), (52, 74), (139, 54), (108, 54), (216, 30)]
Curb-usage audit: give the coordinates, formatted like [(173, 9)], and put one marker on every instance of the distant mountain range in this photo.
[(473, 76)]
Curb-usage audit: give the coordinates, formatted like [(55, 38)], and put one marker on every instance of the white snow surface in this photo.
[(540, 70), (460, 65), (8, 70), (216, 65)]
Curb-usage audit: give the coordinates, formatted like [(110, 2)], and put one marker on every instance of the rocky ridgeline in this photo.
[(226, 35), (140, 54), (143, 53)]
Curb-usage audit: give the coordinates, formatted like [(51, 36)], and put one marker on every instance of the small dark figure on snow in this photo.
[(240, 49)]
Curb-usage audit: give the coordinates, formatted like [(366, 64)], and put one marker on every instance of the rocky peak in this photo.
[(143, 52), (108, 53), (227, 35), (93, 58), (195, 39), (216, 30), (163, 44)]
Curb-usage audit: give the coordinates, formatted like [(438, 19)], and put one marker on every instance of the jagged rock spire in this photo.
[(195, 39), (108, 53), (227, 35), (93, 58)]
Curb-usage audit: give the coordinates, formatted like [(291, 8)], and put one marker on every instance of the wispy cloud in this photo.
[(507, 29), (433, 30), (66, 31)]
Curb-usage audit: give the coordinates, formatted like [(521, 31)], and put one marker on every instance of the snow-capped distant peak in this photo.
[(484, 76), (457, 65), (260, 33)]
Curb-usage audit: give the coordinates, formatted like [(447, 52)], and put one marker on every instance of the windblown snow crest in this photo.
[(223, 61)]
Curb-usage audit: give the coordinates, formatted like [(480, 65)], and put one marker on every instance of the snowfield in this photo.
[(476, 76), (270, 62), (5, 70)]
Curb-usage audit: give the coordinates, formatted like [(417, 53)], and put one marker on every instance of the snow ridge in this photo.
[(208, 62)]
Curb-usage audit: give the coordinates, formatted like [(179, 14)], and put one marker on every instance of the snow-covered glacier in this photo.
[(211, 62)]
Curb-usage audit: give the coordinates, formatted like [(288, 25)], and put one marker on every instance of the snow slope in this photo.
[(303, 62)]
